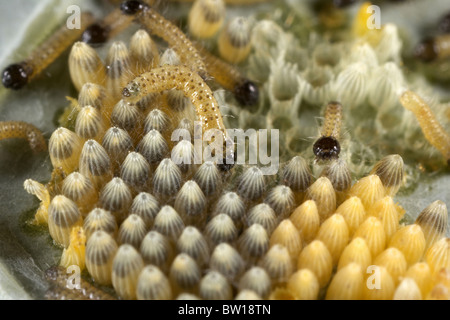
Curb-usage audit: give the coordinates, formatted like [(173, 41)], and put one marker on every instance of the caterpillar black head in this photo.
[(246, 93), (95, 35), (131, 7), (326, 148)]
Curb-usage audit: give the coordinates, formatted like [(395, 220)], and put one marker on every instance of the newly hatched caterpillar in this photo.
[(192, 86), (327, 146), (17, 75), (180, 78), (431, 127), (23, 130)]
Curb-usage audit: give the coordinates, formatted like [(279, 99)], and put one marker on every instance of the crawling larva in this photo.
[(17, 75), (327, 146), (431, 127), (20, 129), (185, 80)]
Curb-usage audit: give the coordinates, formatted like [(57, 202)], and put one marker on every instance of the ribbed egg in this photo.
[(63, 215), (126, 267)]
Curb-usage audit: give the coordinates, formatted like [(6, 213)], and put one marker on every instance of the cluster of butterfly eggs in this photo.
[(245, 247), (177, 220), (249, 245)]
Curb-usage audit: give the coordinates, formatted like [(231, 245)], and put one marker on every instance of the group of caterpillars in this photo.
[(189, 78), (205, 19), (198, 64)]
